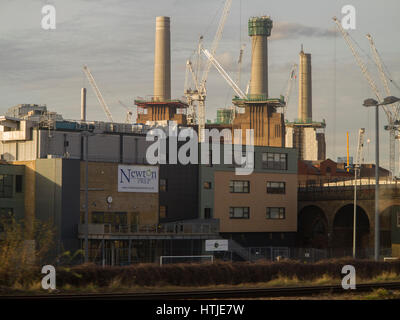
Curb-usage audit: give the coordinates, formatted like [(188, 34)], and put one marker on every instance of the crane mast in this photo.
[(292, 76), (199, 94), (359, 156), (190, 93), (240, 60), (98, 93), (217, 38)]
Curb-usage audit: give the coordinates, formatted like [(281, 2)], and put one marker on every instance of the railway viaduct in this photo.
[(325, 216)]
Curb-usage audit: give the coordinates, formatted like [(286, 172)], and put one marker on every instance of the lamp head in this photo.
[(370, 103), (390, 100)]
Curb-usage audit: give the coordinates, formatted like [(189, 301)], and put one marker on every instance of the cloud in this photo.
[(290, 30)]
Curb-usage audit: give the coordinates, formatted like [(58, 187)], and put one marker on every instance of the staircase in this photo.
[(241, 251)]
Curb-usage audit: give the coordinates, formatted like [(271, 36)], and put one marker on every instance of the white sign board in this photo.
[(217, 245), (137, 178)]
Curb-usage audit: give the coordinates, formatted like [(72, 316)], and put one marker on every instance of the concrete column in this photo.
[(259, 65), (305, 88), (259, 31), (162, 60), (83, 104)]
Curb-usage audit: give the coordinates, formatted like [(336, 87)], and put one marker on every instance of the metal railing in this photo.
[(339, 190), (170, 228), (306, 254)]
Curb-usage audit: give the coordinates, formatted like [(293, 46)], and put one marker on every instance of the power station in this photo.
[(171, 209)]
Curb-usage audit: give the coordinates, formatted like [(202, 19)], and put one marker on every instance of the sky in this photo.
[(115, 38)]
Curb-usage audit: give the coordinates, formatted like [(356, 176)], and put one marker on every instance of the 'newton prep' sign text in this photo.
[(137, 178)]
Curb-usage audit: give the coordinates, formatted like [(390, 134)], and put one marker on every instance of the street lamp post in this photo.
[(85, 148), (355, 212), (357, 171), (376, 104)]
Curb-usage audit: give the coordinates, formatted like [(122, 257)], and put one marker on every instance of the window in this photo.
[(207, 213), (97, 217), (278, 131), (121, 218), (163, 212), (108, 218), (276, 161), (398, 219), (236, 186), (18, 183), (239, 212), (134, 218), (276, 187), (207, 185), (6, 186), (163, 185), (275, 213)]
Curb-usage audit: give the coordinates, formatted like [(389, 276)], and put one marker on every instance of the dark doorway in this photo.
[(343, 228), (312, 228), (388, 219)]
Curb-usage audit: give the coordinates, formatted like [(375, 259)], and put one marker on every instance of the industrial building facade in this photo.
[(125, 227)]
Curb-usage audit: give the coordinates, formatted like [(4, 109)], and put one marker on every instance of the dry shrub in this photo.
[(222, 273), (20, 256)]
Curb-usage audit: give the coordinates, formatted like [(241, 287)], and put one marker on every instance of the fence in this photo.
[(121, 256), (170, 228), (311, 254)]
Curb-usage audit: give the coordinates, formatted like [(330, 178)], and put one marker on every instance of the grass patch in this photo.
[(380, 294)]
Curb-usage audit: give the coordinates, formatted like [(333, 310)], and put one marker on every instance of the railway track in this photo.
[(212, 294)]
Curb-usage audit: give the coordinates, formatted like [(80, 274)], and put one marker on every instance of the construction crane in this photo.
[(224, 74), (228, 79), (191, 94), (98, 93), (292, 77), (129, 113), (357, 168), (371, 82), (393, 126), (200, 92)]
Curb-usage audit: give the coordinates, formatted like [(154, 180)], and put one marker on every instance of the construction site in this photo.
[(296, 204)]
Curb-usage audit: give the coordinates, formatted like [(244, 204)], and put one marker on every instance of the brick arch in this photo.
[(313, 228), (385, 204), (341, 204), (386, 220), (342, 226)]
